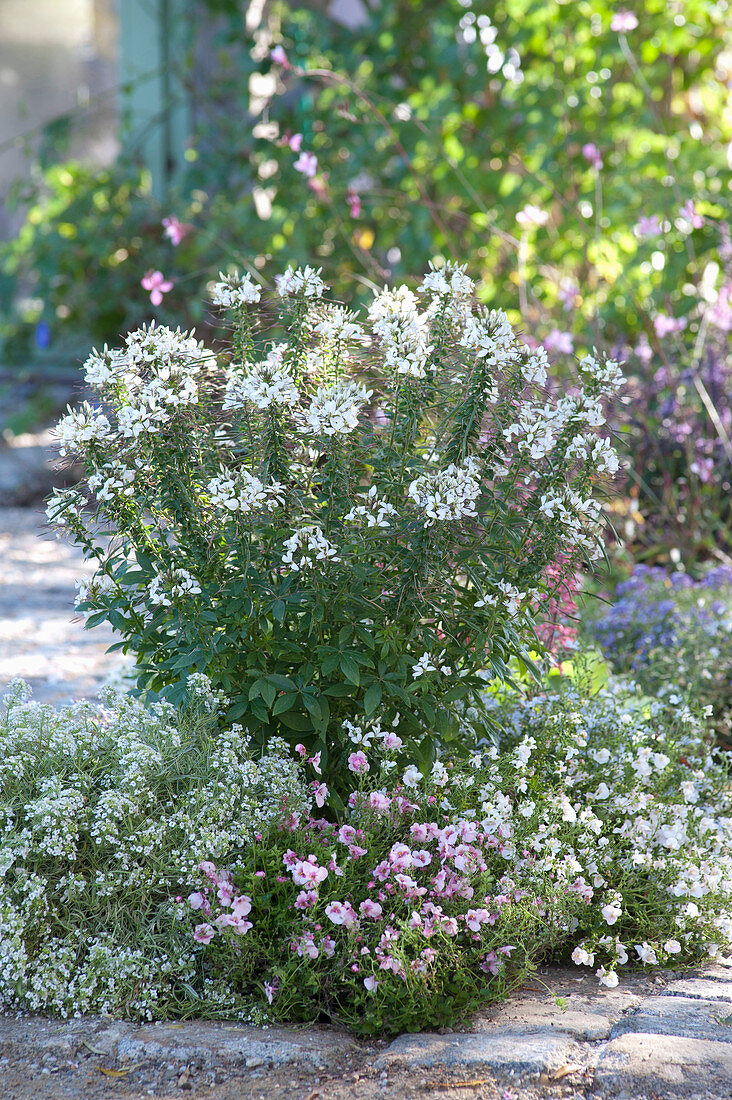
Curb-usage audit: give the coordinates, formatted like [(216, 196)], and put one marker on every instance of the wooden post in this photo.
[(154, 35)]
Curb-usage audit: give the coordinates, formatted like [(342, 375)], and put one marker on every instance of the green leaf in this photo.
[(349, 668), (372, 698), (278, 610)]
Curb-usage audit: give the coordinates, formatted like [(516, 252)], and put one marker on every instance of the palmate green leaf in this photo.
[(284, 702), (350, 669)]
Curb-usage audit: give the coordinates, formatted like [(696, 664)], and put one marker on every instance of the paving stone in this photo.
[(504, 1050), (35, 1036), (586, 1016), (220, 1044), (702, 988), (690, 1017), (662, 1064)]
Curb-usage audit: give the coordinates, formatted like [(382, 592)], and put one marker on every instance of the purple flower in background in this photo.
[(688, 211), (647, 227), (720, 314), (157, 284), (643, 349), (567, 293), (665, 325), (592, 155), (559, 341)]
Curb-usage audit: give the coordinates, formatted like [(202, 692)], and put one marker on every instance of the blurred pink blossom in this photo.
[(279, 57), (665, 325), (307, 163), (623, 21), (157, 284), (688, 211), (648, 226), (559, 341), (354, 203), (531, 217), (592, 155), (720, 314), (176, 231)]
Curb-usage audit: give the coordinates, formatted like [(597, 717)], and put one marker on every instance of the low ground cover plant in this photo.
[(151, 867), (672, 633), (338, 518)]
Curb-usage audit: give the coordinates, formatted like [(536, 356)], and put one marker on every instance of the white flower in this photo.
[(582, 957), (339, 324), (267, 383), (646, 954), (611, 912), (176, 584), (424, 664), (306, 546), (412, 776), (334, 410), (672, 947), (301, 280), (80, 427), (607, 977), (243, 492), (235, 290), (449, 494)]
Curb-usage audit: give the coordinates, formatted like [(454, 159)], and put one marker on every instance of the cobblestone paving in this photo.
[(561, 1036)]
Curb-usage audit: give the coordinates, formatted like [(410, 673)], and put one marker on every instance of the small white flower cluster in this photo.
[(242, 492), (235, 290), (339, 325), (177, 584), (81, 427), (107, 813), (508, 596), (449, 280), (402, 330), (65, 505), (335, 409), (374, 512), (89, 589), (112, 480), (263, 384), (605, 373), (449, 494), (304, 281), (307, 546)]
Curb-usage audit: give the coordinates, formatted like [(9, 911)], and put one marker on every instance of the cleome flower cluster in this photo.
[(334, 501)]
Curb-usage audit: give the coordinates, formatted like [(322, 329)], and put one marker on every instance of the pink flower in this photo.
[(688, 211), (320, 792), (315, 761), (623, 21), (295, 142), (241, 906), (208, 869), (665, 325), (419, 832), (592, 155), (371, 983), (204, 933), (306, 899), (392, 741), (648, 226), (354, 203), (379, 801), (301, 750), (531, 217), (197, 900), (346, 834), (307, 163), (341, 913), (270, 990), (279, 57), (157, 284), (720, 313), (567, 293), (421, 858), (370, 909), (559, 341), (358, 763), (308, 873), (176, 231)]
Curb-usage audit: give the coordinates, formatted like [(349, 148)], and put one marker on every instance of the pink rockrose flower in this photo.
[(623, 21), (354, 203), (241, 906), (347, 834), (156, 283), (341, 913), (592, 155), (358, 763), (308, 873), (270, 990), (204, 933), (315, 761), (307, 163), (208, 869), (320, 793), (392, 741), (371, 983), (176, 231), (306, 899), (301, 750), (197, 900), (370, 909)]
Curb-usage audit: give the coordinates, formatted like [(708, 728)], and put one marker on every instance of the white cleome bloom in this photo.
[(176, 584), (424, 664), (235, 290), (267, 383), (301, 280), (339, 324), (334, 410), (63, 505), (89, 589), (242, 492), (81, 427), (449, 494), (307, 546), (374, 513), (402, 330)]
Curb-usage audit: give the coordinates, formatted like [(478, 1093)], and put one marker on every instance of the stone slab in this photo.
[(663, 1064), (686, 1017), (587, 1016), (703, 988), (503, 1050), (222, 1044)]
